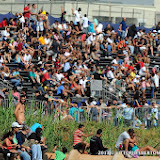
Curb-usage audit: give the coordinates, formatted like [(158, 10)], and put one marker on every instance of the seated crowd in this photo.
[(60, 61), (67, 58)]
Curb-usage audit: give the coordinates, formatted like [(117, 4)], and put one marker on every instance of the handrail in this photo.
[(6, 83)]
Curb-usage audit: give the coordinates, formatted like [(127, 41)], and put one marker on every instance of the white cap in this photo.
[(16, 125), (143, 78), (94, 34), (154, 31), (158, 31)]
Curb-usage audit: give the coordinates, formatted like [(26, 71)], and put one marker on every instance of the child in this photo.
[(60, 155), (7, 142)]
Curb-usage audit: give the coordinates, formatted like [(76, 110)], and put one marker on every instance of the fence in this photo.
[(102, 11), (145, 117)]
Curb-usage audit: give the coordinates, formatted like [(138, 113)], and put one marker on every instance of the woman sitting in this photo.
[(139, 151), (7, 142)]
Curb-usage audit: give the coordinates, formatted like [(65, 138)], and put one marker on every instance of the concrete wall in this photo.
[(135, 14)]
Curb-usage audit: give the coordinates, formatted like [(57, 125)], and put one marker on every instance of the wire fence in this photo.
[(104, 12), (145, 117)]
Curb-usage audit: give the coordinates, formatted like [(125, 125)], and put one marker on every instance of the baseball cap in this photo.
[(16, 125)]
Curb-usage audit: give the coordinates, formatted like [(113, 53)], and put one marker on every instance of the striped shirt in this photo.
[(77, 137)]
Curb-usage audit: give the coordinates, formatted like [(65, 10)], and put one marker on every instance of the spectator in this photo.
[(123, 28), (96, 145), (123, 142), (78, 143), (27, 12), (63, 15), (128, 115), (77, 14)]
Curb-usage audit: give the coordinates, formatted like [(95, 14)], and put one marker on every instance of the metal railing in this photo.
[(5, 84), (145, 117)]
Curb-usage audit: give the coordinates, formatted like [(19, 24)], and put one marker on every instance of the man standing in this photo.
[(85, 24), (123, 27), (33, 16), (96, 143), (40, 26), (123, 141), (27, 13), (78, 143), (77, 15), (20, 110)]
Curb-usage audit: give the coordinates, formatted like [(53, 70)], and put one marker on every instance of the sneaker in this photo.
[(127, 155), (106, 57)]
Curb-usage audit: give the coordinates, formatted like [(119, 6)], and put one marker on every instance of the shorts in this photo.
[(143, 88), (39, 26), (156, 89), (78, 146)]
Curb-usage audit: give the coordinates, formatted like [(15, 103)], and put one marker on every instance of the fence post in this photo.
[(100, 115), (133, 13), (87, 9), (11, 6), (133, 117), (121, 13), (155, 18), (78, 118), (143, 17)]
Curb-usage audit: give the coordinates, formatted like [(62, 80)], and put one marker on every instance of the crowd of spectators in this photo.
[(68, 55)]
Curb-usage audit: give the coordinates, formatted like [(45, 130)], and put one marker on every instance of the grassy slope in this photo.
[(61, 132)]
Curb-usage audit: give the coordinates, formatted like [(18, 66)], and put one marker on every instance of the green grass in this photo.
[(61, 132)]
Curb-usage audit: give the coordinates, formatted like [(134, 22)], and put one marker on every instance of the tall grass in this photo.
[(61, 132)]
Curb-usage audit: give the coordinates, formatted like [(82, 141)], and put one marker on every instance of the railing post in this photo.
[(78, 118), (100, 115), (134, 113)]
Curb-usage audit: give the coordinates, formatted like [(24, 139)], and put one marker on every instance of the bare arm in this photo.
[(62, 10), (73, 12)]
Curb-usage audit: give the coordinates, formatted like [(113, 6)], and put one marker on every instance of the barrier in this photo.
[(145, 117)]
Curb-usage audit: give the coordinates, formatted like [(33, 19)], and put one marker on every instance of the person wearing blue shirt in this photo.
[(60, 89), (128, 115), (123, 27)]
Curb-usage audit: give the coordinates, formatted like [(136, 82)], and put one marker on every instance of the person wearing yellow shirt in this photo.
[(132, 75)]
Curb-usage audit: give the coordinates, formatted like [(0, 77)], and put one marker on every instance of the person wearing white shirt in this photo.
[(59, 76), (77, 20), (5, 33), (27, 60), (155, 114), (143, 71), (110, 74), (83, 82), (85, 24), (156, 77)]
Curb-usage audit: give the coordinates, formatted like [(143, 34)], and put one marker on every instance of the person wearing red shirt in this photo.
[(78, 143), (27, 11), (46, 76), (3, 24)]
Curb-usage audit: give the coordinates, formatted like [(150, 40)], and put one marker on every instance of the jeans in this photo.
[(152, 91), (24, 155), (16, 82), (123, 34), (36, 152)]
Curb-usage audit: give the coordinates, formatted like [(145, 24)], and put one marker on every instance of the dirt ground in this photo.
[(75, 155)]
